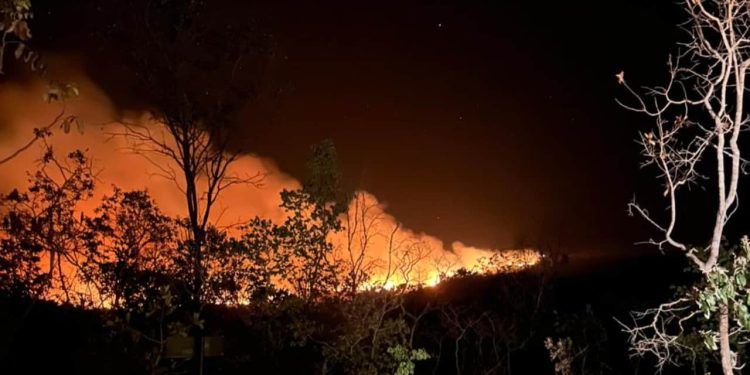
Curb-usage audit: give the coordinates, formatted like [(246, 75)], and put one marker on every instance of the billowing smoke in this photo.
[(392, 253), (23, 110)]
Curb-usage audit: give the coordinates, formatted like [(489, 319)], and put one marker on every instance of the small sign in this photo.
[(181, 347)]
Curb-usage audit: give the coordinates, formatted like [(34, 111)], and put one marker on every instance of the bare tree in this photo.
[(199, 169), (699, 115), (361, 226), (196, 71)]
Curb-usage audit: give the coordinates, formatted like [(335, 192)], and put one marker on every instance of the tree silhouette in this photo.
[(196, 72), (129, 243), (301, 245), (43, 222), (699, 115)]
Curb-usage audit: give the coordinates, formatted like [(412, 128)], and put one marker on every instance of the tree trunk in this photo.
[(727, 366), (198, 236)]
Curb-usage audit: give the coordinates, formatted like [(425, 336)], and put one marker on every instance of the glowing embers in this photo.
[(431, 273)]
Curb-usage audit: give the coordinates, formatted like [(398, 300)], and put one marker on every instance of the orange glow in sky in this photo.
[(429, 259)]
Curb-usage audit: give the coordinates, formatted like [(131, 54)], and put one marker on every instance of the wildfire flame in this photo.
[(422, 259)]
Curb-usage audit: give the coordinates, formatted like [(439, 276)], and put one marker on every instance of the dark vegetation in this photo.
[(263, 339)]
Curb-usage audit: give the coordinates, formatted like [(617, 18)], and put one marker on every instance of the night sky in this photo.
[(489, 122)]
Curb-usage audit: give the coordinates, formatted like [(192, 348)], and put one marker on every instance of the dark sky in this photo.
[(489, 122)]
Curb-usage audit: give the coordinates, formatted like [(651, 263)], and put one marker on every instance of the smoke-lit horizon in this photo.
[(117, 165)]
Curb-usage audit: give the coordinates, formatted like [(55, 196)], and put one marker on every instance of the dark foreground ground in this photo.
[(40, 337)]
